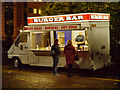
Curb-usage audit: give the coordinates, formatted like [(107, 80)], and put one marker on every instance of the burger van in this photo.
[(32, 45)]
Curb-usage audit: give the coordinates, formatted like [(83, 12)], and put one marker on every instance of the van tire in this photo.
[(17, 63)]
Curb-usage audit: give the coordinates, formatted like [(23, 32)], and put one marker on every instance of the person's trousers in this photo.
[(79, 46), (69, 69), (55, 63)]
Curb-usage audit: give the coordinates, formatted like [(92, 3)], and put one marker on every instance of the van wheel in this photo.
[(17, 63)]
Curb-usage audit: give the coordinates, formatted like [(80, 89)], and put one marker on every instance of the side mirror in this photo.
[(21, 47)]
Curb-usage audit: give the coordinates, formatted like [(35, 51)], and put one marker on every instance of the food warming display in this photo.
[(61, 38)]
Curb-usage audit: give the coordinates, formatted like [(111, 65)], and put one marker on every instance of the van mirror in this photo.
[(21, 47)]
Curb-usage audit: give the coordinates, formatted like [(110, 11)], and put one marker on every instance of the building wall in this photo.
[(18, 16), (33, 5), (0, 22), (3, 25)]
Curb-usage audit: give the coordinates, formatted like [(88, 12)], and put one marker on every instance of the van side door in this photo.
[(21, 47)]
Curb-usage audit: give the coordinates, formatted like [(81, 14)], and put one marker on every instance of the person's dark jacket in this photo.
[(56, 49)]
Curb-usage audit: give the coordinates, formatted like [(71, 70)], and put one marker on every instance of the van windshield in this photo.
[(22, 38)]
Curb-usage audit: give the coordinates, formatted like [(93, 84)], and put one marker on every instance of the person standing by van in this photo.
[(56, 49), (69, 52)]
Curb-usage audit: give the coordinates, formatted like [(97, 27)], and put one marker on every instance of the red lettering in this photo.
[(28, 28), (56, 27), (64, 27), (72, 27), (25, 28), (35, 28), (46, 28), (75, 27), (51, 27)]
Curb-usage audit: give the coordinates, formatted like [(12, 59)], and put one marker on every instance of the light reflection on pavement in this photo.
[(20, 78)]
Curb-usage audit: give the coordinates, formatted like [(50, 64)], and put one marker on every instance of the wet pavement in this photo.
[(42, 77)]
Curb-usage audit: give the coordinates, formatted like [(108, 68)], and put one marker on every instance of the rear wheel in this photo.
[(17, 63)]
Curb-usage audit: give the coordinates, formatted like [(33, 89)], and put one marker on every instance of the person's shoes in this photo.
[(56, 74)]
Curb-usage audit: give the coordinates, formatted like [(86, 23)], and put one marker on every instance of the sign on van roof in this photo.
[(68, 18)]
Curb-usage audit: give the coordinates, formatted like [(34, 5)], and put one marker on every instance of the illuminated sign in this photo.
[(54, 19), (68, 18), (64, 27), (99, 17)]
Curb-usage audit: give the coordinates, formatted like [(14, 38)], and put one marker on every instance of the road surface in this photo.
[(41, 77)]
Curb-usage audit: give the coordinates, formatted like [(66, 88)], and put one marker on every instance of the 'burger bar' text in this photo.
[(55, 19)]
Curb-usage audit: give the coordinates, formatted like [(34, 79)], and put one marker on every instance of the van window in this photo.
[(40, 40), (21, 39)]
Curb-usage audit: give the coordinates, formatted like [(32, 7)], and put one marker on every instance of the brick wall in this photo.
[(3, 24), (18, 17)]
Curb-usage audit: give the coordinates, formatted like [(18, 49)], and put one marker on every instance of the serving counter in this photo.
[(47, 53)]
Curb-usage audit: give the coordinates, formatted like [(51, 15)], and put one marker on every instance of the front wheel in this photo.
[(17, 63)]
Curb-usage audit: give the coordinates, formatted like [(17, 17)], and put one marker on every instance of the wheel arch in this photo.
[(16, 62)]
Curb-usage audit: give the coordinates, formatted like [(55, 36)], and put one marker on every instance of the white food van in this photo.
[(32, 45)]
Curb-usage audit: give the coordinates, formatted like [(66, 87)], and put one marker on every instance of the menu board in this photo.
[(61, 38)]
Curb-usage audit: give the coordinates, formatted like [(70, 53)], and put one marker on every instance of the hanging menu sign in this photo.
[(63, 27)]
